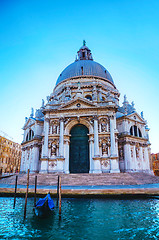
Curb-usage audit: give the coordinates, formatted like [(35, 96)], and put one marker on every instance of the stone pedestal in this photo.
[(114, 165), (44, 165), (97, 165), (60, 164)]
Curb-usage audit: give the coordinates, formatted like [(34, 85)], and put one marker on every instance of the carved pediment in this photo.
[(29, 123), (136, 117), (78, 104)]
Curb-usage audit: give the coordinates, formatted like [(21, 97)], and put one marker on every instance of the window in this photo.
[(82, 70), (131, 131), (140, 135), (88, 97), (30, 135), (135, 131)]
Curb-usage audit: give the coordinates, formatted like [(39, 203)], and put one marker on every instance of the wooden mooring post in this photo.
[(57, 201), (16, 180), (59, 197), (35, 191), (26, 196)]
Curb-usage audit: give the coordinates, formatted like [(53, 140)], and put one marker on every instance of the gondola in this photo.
[(44, 207)]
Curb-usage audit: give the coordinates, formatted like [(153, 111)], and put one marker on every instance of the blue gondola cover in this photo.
[(41, 202)]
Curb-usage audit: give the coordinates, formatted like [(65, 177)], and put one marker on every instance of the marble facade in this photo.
[(86, 94)]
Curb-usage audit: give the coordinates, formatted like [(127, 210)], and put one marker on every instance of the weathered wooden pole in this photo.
[(26, 196), (0, 173), (35, 191), (57, 191), (59, 197), (16, 180)]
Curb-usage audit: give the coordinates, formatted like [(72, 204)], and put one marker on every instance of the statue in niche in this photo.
[(121, 154), (104, 126), (104, 148), (53, 149), (54, 129)]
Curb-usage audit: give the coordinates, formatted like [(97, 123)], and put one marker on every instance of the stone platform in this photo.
[(106, 184)]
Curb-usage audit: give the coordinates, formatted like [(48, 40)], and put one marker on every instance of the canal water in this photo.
[(101, 219)]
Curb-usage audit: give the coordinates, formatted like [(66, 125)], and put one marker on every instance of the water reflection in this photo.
[(82, 219)]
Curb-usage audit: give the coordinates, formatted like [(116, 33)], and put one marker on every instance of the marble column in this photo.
[(61, 140), (91, 155), (96, 141), (66, 166), (127, 157), (35, 162), (22, 161), (114, 162), (96, 162), (112, 137), (46, 133)]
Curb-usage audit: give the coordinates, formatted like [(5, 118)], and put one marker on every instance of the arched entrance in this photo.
[(79, 149)]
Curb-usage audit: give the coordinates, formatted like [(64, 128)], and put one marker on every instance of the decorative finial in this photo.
[(48, 98), (26, 119), (42, 105), (125, 98), (32, 112), (142, 114), (84, 43)]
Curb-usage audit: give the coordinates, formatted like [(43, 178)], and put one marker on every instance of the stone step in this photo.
[(85, 179)]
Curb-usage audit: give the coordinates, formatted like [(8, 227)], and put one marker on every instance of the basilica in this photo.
[(82, 128)]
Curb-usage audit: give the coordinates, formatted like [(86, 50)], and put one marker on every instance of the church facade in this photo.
[(82, 128)]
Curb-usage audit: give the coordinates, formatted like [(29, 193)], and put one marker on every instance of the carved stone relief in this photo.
[(53, 149), (121, 154), (104, 124), (52, 165), (132, 153), (54, 127), (105, 163)]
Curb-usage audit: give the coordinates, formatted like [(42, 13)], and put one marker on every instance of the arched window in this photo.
[(103, 98), (131, 130), (135, 131), (30, 135), (88, 97), (140, 135)]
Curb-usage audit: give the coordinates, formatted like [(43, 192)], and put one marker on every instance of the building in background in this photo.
[(154, 164), (10, 156), (82, 128)]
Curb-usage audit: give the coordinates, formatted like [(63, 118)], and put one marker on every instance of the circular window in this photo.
[(78, 105)]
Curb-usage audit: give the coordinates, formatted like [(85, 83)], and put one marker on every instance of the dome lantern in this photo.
[(84, 52)]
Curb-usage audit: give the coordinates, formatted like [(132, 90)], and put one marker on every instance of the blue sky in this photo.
[(38, 39)]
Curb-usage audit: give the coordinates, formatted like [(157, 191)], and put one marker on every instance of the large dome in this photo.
[(84, 66)]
